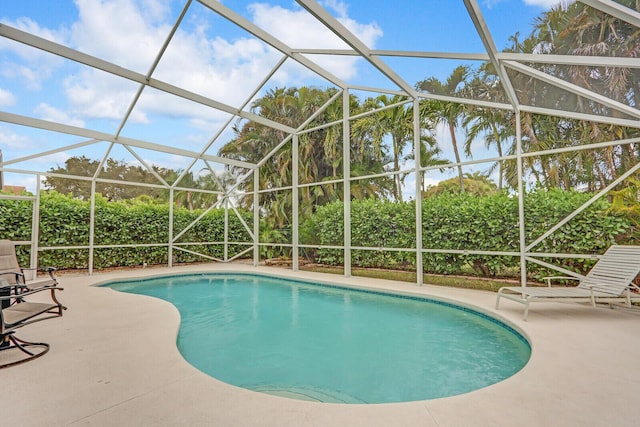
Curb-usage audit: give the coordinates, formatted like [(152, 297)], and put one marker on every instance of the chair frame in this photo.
[(22, 313), (603, 283), (15, 275)]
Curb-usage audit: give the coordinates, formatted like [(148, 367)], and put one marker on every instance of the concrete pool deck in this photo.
[(113, 362)]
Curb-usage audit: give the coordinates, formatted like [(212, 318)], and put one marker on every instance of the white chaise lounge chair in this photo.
[(610, 280)]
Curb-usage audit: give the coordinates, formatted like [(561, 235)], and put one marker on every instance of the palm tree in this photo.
[(493, 125), (319, 157), (448, 112), (537, 130), (395, 123), (582, 30)]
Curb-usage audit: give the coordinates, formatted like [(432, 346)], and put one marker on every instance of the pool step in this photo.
[(312, 394)]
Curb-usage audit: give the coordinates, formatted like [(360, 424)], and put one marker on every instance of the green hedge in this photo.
[(459, 222), (465, 221), (64, 221)]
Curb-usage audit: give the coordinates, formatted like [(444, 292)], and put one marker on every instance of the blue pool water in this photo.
[(332, 344)]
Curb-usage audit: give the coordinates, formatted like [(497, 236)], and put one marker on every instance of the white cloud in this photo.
[(224, 70), (221, 69), (12, 141), (35, 66), (130, 34), (298, 29), (108, 30), (29, 76), (547, 4), (32, 27), (6, 98), (52, 114), (490, 3), (339, 7), (92, 94)]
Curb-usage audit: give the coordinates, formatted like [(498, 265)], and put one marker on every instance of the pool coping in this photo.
[(474, 311), (113, 361)]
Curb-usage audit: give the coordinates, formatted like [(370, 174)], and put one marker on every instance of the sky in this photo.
[(211, 56)]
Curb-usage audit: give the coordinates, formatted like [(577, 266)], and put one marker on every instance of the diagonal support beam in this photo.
[(101, 136), (588, 203), (615, 9), (348, 37), (256, 31), (575, 89), (99, 64), (483, 31), (49, 152)]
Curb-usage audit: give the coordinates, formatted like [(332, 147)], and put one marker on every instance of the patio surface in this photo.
[(114, 362)]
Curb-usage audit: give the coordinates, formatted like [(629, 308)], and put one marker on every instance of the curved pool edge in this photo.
[(400, 288), (341, 282), (413, 291), (169, 391)]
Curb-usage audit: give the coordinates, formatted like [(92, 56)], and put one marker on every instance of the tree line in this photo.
[(383, 140), (381, 133), (112, 172)]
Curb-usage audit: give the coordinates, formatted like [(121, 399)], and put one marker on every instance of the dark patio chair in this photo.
[(17, 277), (18, 314)]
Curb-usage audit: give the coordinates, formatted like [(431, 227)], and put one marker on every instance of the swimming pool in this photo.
[(333, 344)]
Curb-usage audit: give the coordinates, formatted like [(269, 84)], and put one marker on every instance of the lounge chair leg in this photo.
[(53, 296), (22, 345)]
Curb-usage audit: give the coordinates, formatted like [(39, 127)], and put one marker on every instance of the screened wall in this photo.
[(194, 86)]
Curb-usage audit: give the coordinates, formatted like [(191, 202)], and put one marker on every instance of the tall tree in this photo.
[(320, 152), (490, 124), (449, 113), (393, 120), (112, 169), (582, 30)]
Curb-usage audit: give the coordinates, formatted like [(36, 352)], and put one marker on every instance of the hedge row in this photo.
[(449, 222), (465, 221), (65, 222)]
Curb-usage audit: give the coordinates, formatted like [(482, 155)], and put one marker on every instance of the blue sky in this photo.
[(207, 55)]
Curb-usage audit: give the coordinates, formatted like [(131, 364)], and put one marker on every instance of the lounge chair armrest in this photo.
[(12, 295), (45, 269), (49, 270), (26, 293), (550, 278), (15, 286), (8, 297)]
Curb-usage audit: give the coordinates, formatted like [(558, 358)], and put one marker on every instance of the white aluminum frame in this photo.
[(501, 62)]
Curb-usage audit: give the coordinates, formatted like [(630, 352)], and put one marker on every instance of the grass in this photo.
[(410, 276)]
